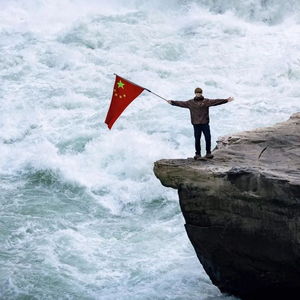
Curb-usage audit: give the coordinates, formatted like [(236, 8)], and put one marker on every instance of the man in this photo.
[(199, 110)]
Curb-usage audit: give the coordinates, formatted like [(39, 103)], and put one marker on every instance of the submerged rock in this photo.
[(242, 210)]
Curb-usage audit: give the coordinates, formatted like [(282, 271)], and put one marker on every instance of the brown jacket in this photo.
[(199, 108)]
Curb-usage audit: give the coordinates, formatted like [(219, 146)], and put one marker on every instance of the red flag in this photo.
[(123, 94)]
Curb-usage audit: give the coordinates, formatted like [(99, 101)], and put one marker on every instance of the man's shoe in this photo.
[(209, 155), (197, 156)]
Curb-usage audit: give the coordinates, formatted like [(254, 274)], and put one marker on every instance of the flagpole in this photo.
[(143, 88), (156, 95)]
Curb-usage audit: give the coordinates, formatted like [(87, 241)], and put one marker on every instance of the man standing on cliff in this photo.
[(199, 110)]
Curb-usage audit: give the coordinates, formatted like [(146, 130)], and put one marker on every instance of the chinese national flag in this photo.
[(123, 94)]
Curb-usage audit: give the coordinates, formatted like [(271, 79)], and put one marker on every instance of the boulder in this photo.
[(242, 210)]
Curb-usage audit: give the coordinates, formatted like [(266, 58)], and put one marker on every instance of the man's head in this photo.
[(198, 92)]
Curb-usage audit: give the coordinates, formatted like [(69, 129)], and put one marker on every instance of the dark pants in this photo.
[(198, 128)]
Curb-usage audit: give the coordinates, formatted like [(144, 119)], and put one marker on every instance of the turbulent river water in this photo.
[(82, 215)]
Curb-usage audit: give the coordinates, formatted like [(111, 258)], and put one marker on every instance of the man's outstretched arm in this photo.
[(178, 103), (215, 102)]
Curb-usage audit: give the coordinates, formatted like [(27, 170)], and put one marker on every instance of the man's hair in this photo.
[(198, 90)]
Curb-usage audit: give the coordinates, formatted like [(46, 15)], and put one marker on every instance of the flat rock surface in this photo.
[(274, 150)]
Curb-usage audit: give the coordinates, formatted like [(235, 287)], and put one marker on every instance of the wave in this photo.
[(270, 12), (267, 11)]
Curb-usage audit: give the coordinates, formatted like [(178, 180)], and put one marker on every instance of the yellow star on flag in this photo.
[(121, 84)]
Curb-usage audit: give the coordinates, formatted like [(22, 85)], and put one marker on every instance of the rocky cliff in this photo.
[(242, 210)]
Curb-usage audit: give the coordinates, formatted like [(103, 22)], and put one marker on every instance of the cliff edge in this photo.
[(242, 210)]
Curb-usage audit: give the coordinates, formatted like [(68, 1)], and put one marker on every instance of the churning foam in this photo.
[(81, 208)]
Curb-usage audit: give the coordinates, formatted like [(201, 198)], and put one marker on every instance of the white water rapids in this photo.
[(82, 215)]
